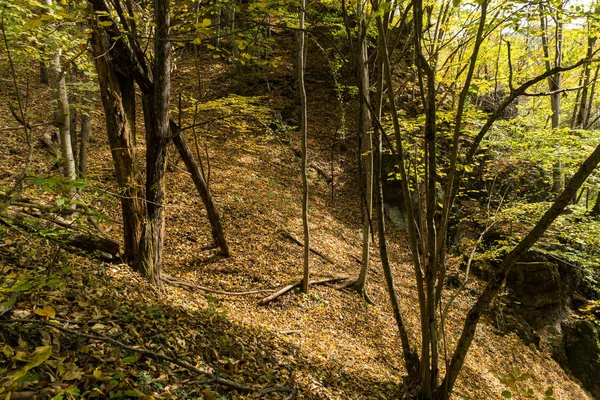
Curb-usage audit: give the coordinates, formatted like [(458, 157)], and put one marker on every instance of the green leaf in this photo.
[(32, 24), (506, 394), (130, 359), (133, 393)]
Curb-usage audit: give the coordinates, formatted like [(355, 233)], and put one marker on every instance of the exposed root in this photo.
[(287, 288), (359, 288)]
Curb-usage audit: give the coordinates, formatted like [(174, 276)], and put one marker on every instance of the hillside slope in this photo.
[(328, 344)]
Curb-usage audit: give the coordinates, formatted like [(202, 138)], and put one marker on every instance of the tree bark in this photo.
[(121, 141), (86, 129), (554, 84), (367, 148), (303, 134), (211, 208), (156, 111), (61, 114)]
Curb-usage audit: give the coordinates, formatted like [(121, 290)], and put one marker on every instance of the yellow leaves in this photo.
[(8, 351), (70, 372), (38, 357), (97, 374), (47, 311), (33, 24)]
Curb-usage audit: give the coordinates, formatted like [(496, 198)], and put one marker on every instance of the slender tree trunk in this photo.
[(86, 129), (554, 84), (583, 106), (73, 117), (61, 113), (595, 211), (44, 74), (211, 208), (61, 97), (367, 149), (410, 357), (304, 145), (586, 123), (411, 227)]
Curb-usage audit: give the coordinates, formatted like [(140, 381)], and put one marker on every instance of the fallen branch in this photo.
[(287, 288), (15, 128), (68, 234), (61, 210), (177, 361), (314, 166), (299, 243), (190, 286)]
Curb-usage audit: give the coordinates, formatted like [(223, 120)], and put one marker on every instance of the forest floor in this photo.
[(328, 344)]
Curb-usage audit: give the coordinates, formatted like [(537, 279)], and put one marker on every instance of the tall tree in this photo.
[(367, 147), (156, 105), (62, 118), (301, 57), (554, 81)]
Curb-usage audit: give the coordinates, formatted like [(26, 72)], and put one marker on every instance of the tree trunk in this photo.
[(303, 134), (61, 97), (583, 106), (86, 129), (156, 112), (122, 143), (73, 117), (211, 209), (586, 122), (554, 84), (367, 148), (410, 358), (61, 114), (44, 74)]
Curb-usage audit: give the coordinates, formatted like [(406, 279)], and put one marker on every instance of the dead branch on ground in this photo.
[(299, 243), (287, 288)]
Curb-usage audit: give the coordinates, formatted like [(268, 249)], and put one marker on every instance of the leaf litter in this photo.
[(328, 344)]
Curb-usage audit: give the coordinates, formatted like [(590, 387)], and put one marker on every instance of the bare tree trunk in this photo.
[(583, 106), (44, 74), (367, 149), (86, 129), (411, 359), (586, 122), (58, 83), (122, 144), (156, 111), (554, 84), (73, 117), (211, 208), (386, 73), (303, 134), (59, 87)]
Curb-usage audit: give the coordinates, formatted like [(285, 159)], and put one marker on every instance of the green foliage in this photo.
[(517, 387)]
